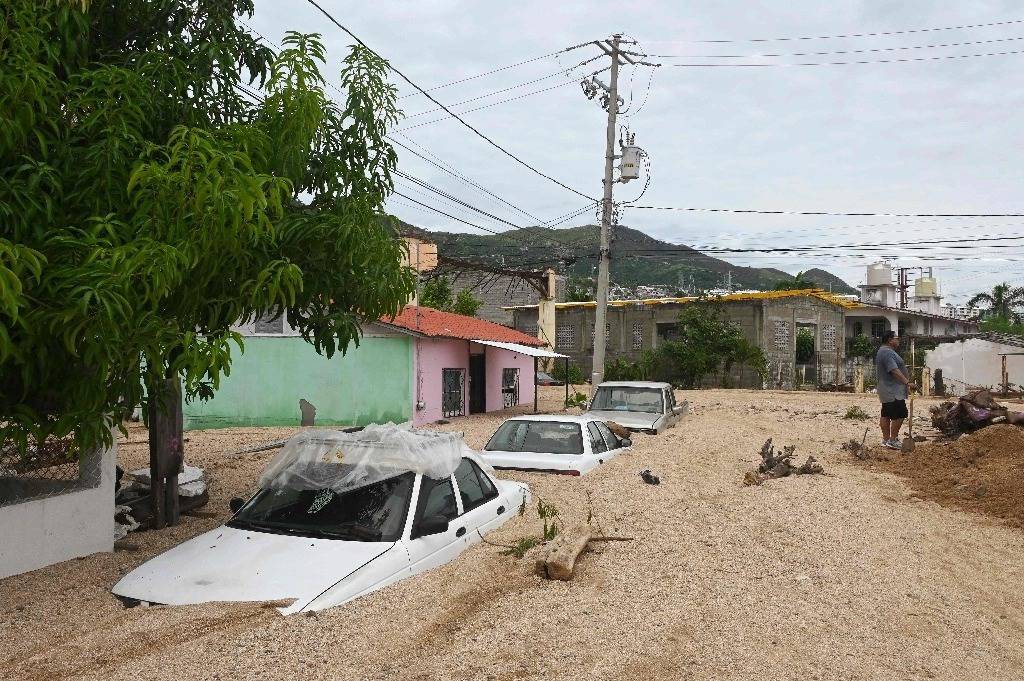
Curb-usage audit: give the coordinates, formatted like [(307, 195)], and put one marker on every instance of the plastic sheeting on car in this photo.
[(332, 459)]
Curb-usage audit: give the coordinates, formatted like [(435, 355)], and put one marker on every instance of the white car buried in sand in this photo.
[(644, 406), (571, 445), (337, 515)]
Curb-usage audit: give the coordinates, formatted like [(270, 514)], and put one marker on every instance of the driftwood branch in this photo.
[(780, 465)]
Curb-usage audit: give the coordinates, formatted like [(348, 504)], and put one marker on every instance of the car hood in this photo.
[(636, 420), (229, 564)]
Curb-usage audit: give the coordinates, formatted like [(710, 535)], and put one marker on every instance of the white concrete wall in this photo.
[(40, 532), (976, 362)]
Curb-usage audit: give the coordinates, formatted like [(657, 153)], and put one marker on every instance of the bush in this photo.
[(574, 377), (855, 413), (576, 400), (861, 346), (706, 344)]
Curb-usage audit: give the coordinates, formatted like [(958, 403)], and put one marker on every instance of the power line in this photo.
[(442, 166), (511, 87), (830, 213), (859, 61), (816, 54), (497, 70), (849, 35), (502, 101), (454, 115)]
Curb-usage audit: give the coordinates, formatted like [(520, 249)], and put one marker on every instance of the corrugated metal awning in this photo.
[(521, 349)]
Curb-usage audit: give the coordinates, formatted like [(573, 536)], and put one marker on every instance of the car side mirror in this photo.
[(235, 504), (677, 411), (432, 524), (626, 442)]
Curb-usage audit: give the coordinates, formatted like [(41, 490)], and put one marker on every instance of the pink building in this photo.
[(463, 365)]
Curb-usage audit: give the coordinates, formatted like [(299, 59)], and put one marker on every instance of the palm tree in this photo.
[(1001, 302)]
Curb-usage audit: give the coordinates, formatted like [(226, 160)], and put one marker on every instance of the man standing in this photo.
[(893, 386)]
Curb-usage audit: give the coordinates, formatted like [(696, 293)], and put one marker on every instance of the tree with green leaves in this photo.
[(799, 282), (1003, 302), (706, 344), (164, 176), (437, 293), (804, 345), (578, 290)]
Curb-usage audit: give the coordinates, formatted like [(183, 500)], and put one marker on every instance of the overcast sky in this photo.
[(937, 136)]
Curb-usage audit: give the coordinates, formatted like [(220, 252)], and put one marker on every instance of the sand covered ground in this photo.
[(857, 574)]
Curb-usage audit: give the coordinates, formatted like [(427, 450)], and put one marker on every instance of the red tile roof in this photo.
[(435, 323)]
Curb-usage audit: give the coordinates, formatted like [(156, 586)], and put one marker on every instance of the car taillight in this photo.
[(576, 473)]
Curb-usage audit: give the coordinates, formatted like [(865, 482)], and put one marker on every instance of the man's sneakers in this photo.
[(892, 444)]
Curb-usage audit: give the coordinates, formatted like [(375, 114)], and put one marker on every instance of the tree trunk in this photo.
[(166, 449), (558, 560)]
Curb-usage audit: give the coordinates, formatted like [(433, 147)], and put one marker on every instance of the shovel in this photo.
[(908, 442)]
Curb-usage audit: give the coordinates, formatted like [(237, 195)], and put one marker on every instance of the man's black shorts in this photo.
[(897, 409)]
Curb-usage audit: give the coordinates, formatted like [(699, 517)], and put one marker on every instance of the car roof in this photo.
[(634, 384), (560, 418)]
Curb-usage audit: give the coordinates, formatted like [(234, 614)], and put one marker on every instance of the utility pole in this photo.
[(611, 101), (607, 207)]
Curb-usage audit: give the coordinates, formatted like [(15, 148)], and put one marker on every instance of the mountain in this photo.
[(637, 259)]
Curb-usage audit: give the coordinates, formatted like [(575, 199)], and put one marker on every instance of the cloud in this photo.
[(936, 136)]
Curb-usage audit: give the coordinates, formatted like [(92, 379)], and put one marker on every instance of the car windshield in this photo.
[(624, 398), (545, 437), (372, 513)]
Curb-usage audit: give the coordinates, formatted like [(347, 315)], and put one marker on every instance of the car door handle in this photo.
[(501, 509), (461, 531)]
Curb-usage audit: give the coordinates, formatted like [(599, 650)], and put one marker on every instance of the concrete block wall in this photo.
[(40, 532)]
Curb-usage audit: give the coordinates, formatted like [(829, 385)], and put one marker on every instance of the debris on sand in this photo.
[(650, 478), (780, 465), (858, 449), (973, 411), (979, 472)]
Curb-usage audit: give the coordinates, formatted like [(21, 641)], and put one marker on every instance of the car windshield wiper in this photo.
[(352, 529)]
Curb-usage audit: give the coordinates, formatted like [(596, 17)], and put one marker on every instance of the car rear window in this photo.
[(544, 437)]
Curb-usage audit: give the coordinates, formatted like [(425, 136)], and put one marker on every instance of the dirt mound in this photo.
[(979, 472)]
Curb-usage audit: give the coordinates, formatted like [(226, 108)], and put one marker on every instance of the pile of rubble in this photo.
[(971, 412)]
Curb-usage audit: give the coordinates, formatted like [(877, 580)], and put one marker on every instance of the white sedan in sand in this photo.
[(645, 406), (571, 445), (319, 548)]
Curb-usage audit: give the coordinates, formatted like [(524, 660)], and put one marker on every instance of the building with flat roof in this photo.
[(770, 320)]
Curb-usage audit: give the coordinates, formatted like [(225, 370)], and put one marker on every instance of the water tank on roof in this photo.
[(926, 287), (880, 274)]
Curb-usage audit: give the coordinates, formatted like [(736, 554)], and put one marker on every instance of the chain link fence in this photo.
[(46, 469)]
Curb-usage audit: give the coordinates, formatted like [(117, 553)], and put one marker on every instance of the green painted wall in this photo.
[(370, 384)]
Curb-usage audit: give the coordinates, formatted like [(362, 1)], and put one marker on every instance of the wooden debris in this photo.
[(857, 448), (558, 558), (780, 465)]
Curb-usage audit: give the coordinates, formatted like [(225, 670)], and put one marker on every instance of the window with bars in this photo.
[(453, 402), (638, 335), (509, 387), (781, 334), (565, 337)]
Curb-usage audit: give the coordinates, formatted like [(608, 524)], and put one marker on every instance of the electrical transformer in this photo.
[(629, 169)]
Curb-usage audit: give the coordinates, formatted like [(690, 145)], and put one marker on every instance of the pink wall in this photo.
[(429, 358), (433, 354), (498, 359)]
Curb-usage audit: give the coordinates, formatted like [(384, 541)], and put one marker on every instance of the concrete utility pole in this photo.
[(607, 208)]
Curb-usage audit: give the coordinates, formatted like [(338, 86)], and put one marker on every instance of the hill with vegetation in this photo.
[(637, 258)]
